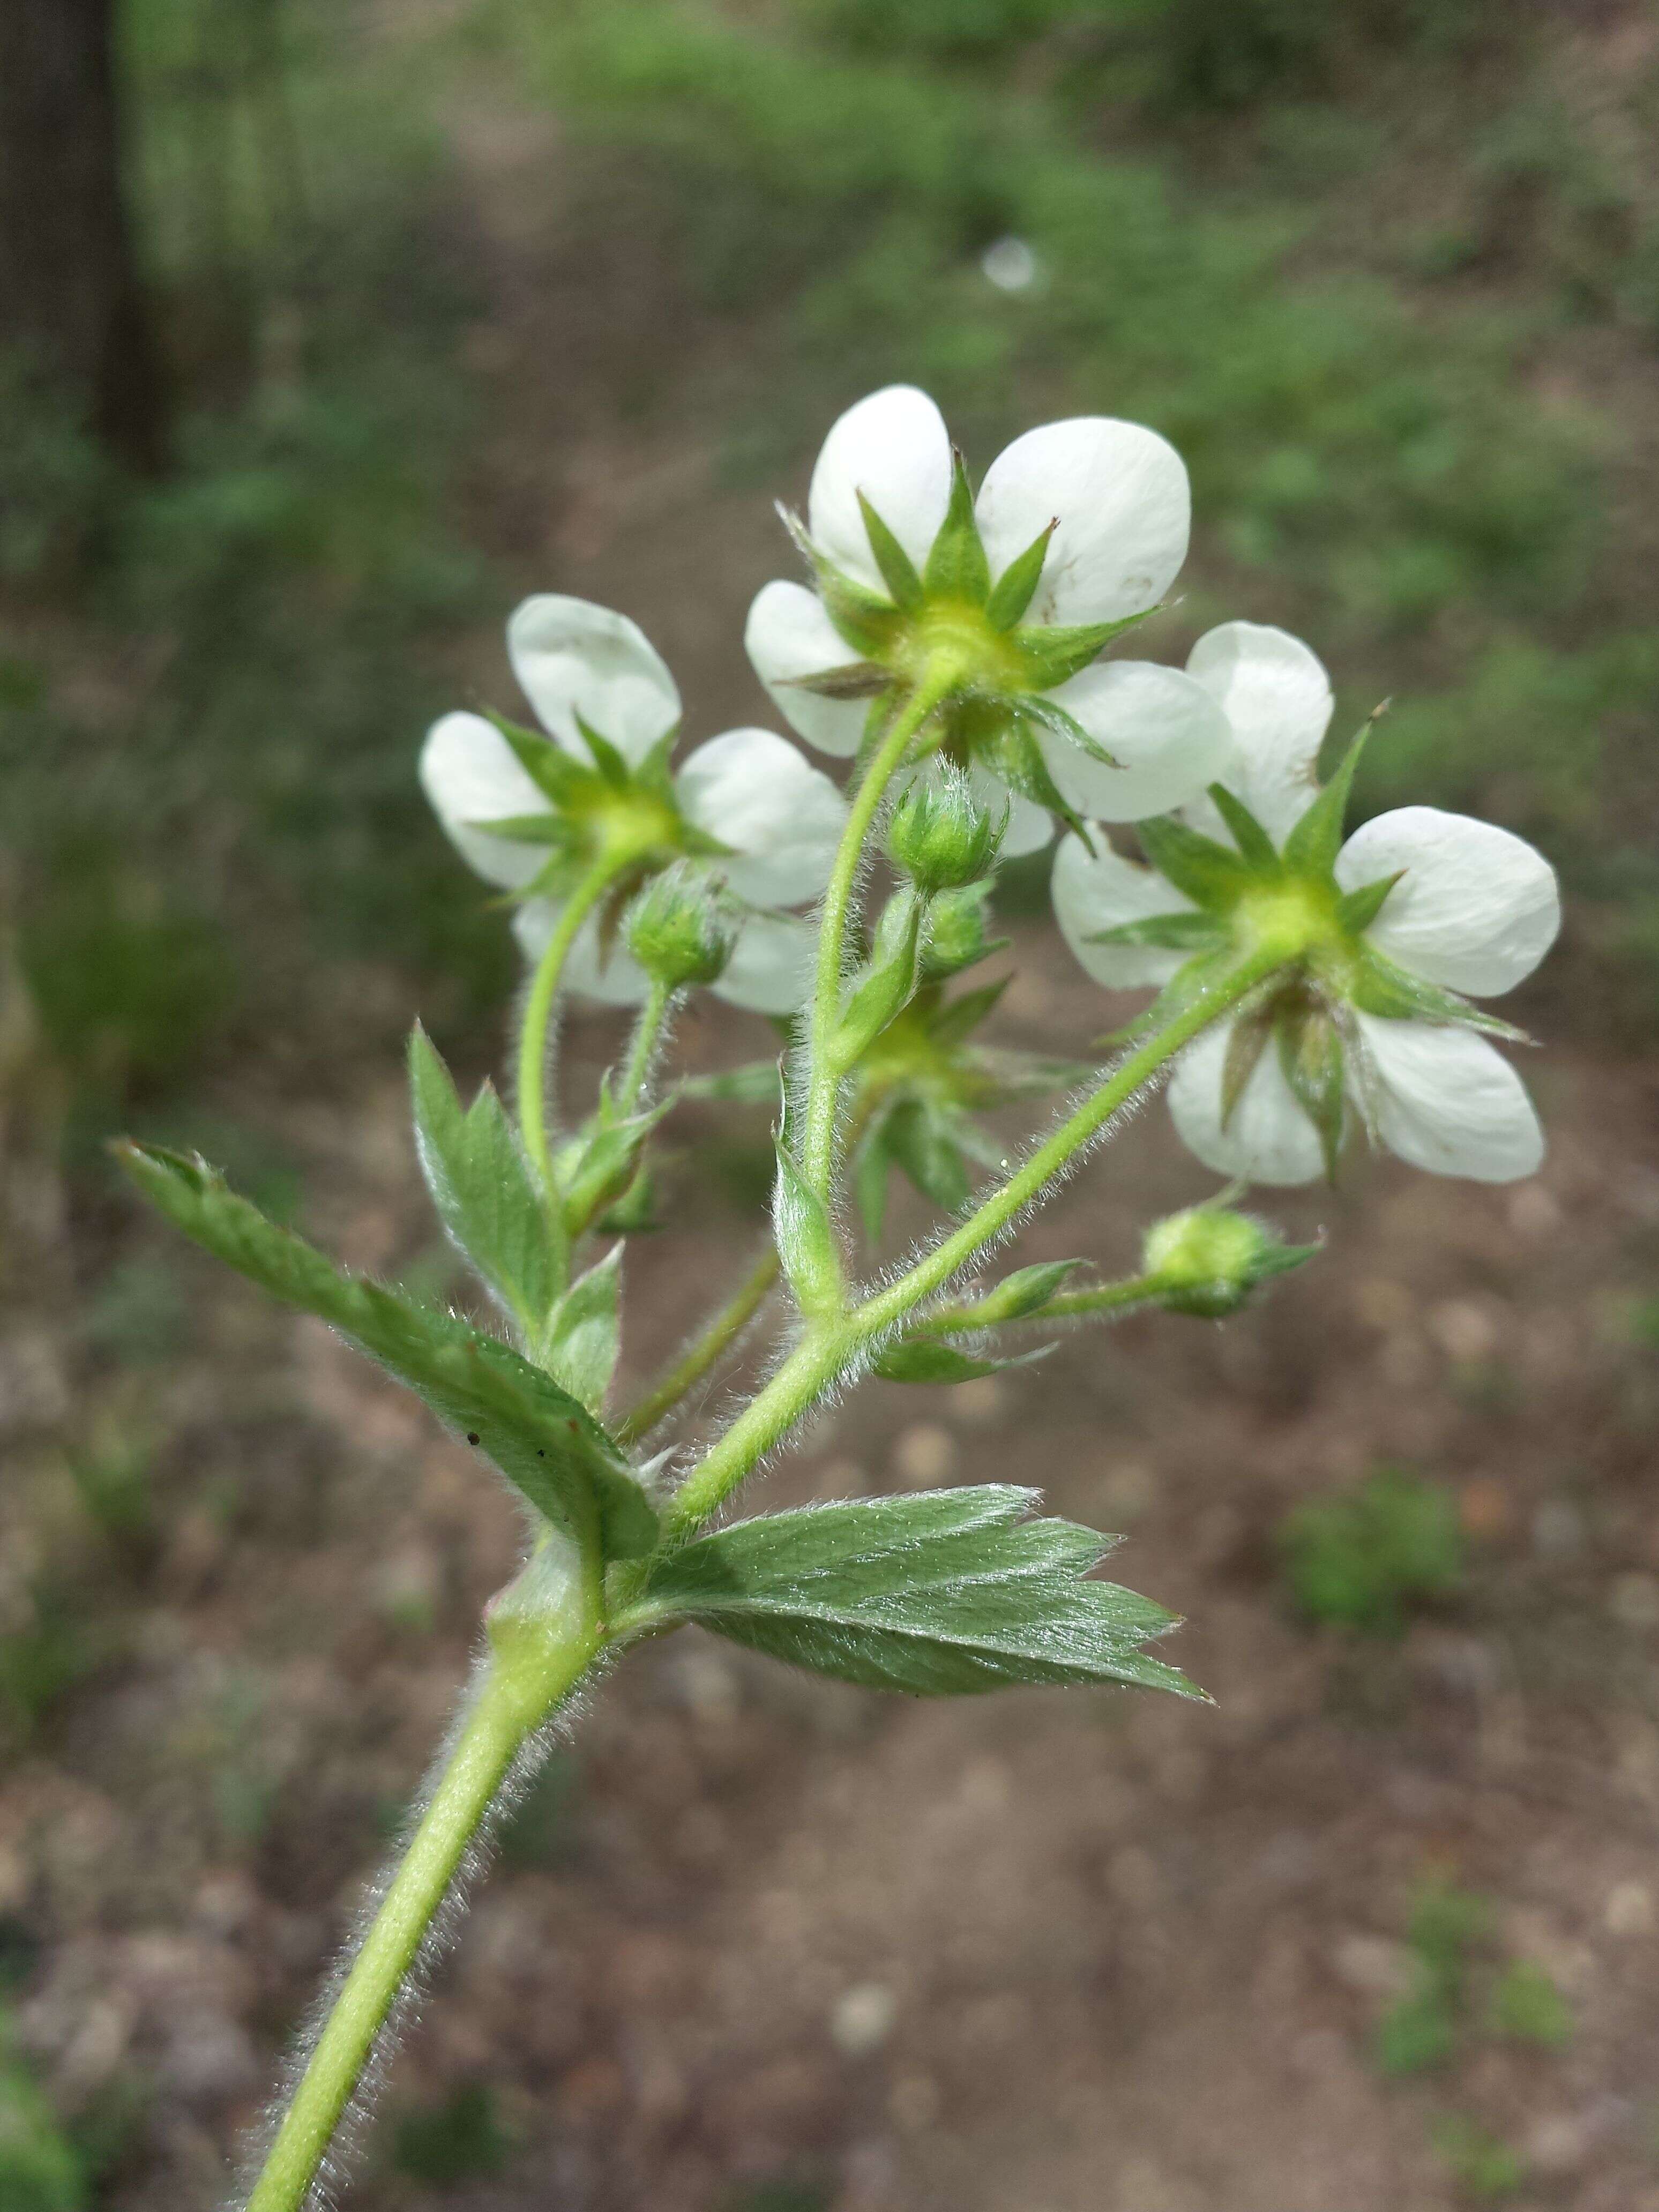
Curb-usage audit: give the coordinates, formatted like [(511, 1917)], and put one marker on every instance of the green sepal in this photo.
[(1311, 1058), (1015, 755), (1014, 590), (526, 828), (548, 767), (898, 571), (1210, 874), (957, 566), (1250, 1037), (1312, 845), (925, 1360), (1049, 714), (543, 1440), (954, 1020), (611, 764), (1186, 932), (1256, 846), (1051, 653), (805, 1239), (885, 984), (854, 679), (1356, 910), (1379, 986), (480, 1185), (584, 1333), (936, 1592), (869, 623), (923, 1143), (593, 1169), (871, 1165)]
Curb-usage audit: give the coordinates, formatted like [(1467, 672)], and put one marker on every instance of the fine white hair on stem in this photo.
[(346, 2143)]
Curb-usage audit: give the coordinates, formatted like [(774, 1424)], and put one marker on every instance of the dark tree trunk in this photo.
[(70, 292)]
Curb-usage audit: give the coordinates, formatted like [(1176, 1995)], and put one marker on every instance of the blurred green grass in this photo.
[(1403, 360)]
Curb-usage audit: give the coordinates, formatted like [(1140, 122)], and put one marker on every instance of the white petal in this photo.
[(1477, 907), (781, 817), (615, 981), (1124, 506), (1447, 1100), (1267, 1138), (1170, 734), (1102, 891), (893, 448), (1277, 696), (770, 970), (471, 773), (1029, 826), (572, 658), (789, 634)]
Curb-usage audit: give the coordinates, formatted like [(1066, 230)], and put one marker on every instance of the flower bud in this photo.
[(940, 836), (682, 928), (955, 935), (1208, 1260)]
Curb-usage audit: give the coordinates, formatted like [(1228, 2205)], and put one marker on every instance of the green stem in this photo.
[(643, 1051), (705, 1351), (828, 1351), (819, 1142), (538, 1009), (518, 1693), (1065, 1305)]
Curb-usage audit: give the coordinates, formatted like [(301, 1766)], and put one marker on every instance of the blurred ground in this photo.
[(762, 1945)]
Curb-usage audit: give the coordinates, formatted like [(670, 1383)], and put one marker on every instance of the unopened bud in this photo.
[(955, 935), (1208, 1260), (682, 928), (940, 836)]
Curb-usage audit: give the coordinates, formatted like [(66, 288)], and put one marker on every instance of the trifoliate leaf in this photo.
[(1256, 846), (1050, 653), (1211, 875), (957, 566), (480, 1185), (584, 1334), (1012, 592), (543, 1440), (897, 570), (805, 1240), (936, 1594)]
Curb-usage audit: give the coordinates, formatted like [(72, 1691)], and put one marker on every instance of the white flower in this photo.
[(1417, 914), (762, 816), (1079, 528)]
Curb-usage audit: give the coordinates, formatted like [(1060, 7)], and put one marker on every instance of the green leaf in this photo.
[(923, 1144), (1256, 846), (1013, 591), (957, 566), (593, 1169), (1185, 932), (584, 1334), (480, 1185), (545, 1441), (1050, 653), (1025, 1292), (1379, 986), (897, 570), (885, 987), (1211, 875), (1357, 909), (936, 1594), (927, 1360), (805, 1240)]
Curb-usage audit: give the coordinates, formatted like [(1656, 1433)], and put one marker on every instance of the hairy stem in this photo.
[(516, 1697), (705, 1351), (647, 1035), (1065, 1305), (817, 1155), (827, 1352), (538, 1009)]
